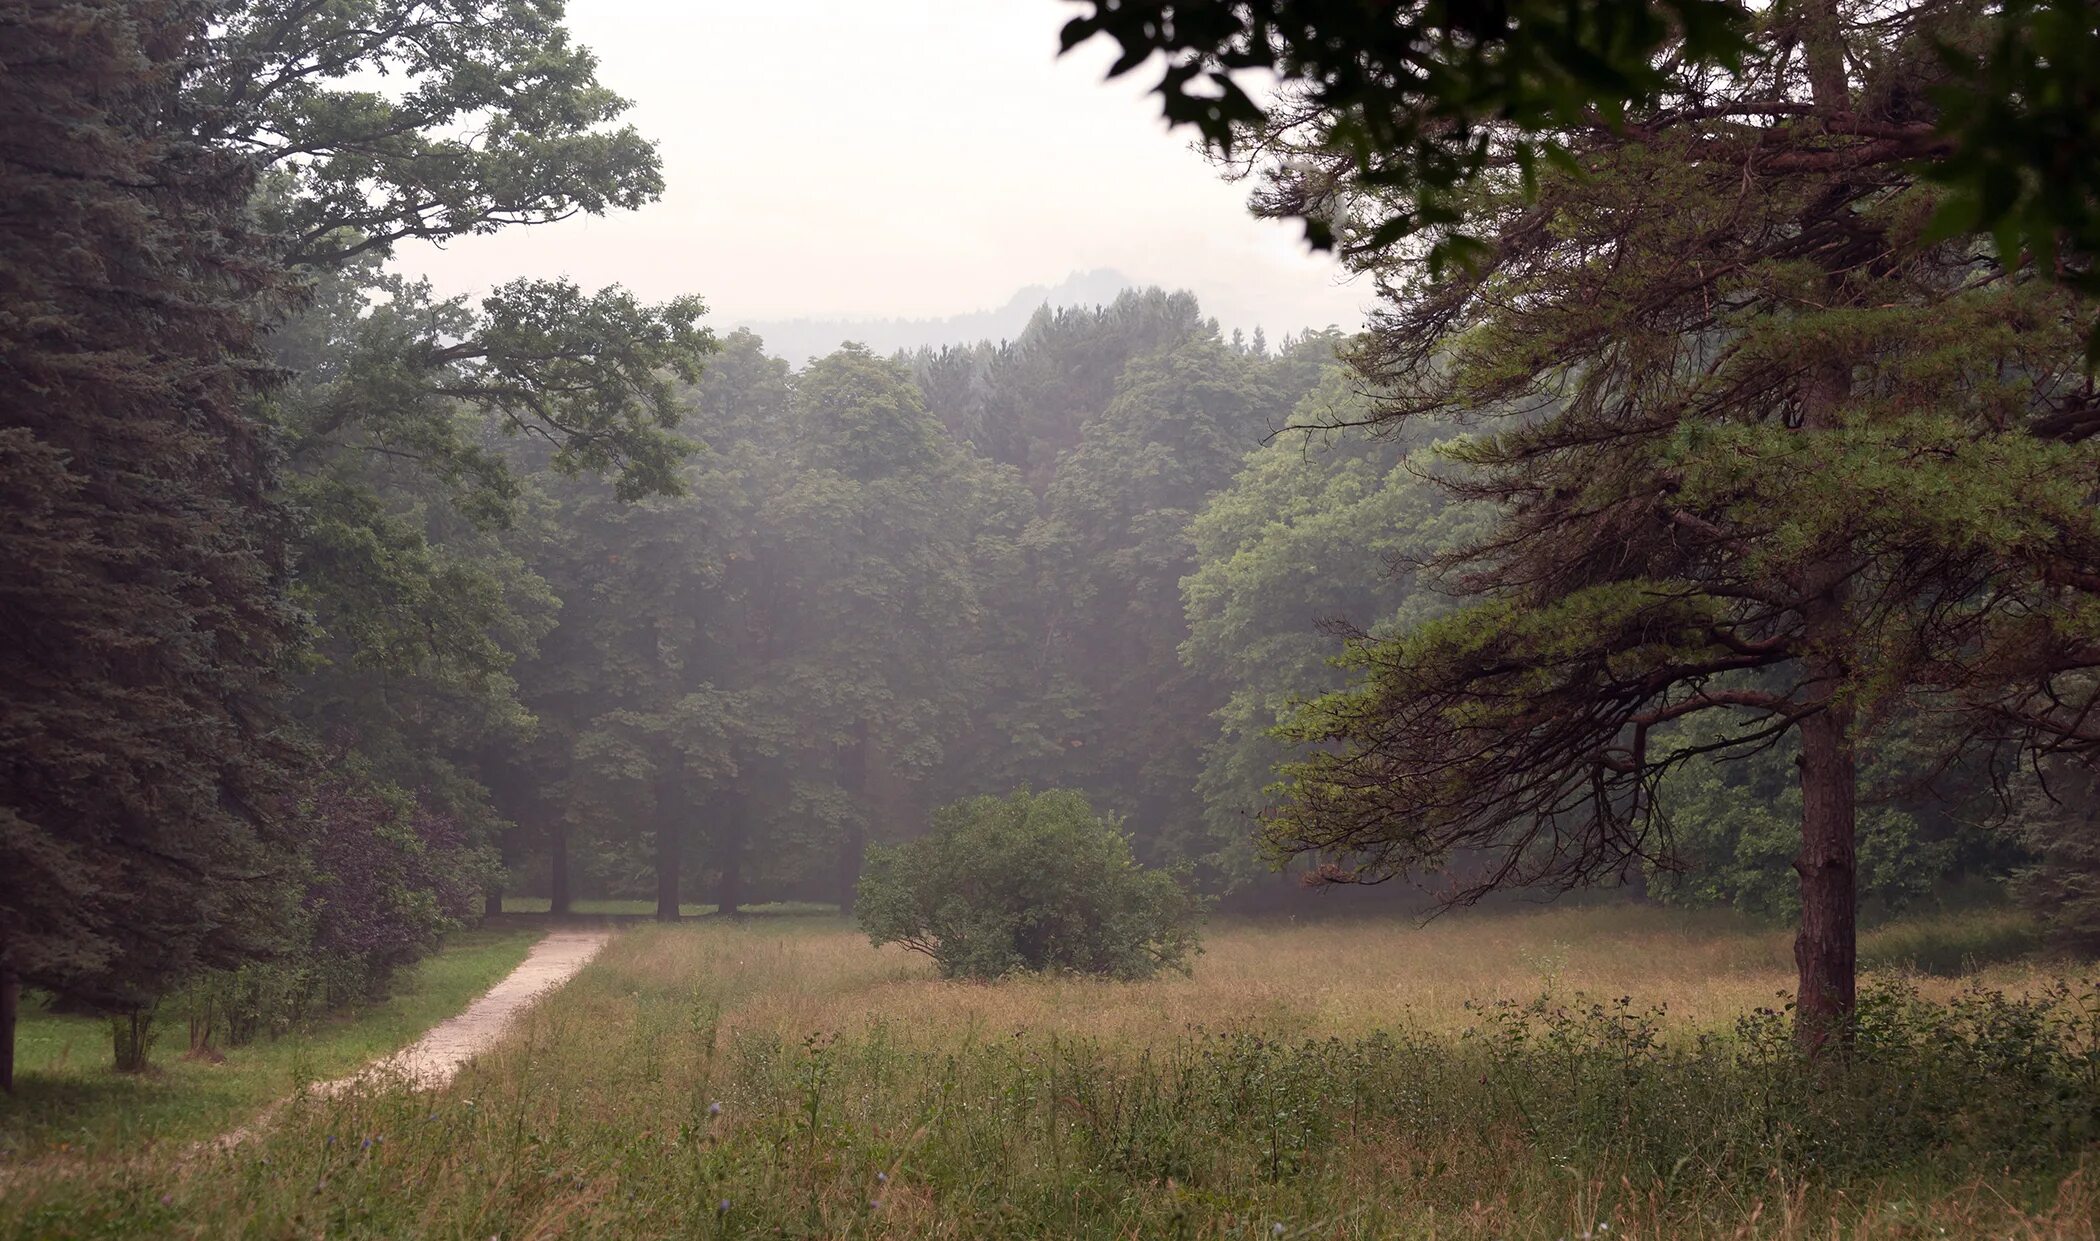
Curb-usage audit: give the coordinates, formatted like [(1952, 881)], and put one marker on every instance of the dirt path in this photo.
[(432, 1060), (428, 1063), (445, 1048)]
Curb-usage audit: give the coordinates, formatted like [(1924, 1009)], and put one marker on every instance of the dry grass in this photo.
[(1341, 978), (861, 1096)]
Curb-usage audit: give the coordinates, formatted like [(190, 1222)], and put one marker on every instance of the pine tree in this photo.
[(1761, 445), (141, 563)]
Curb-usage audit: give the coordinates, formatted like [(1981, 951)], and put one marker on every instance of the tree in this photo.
[(1319, 533), (496, 119), (403, 483), (394, 421), (1113, 546), (1423, 103), (1760, 446), (141, 830), (1421, 98), (2055, 819), (220, 163), (1735, 826), (879, 595), (1024, 403)]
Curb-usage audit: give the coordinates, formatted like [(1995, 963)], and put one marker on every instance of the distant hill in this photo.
[(799, 340)]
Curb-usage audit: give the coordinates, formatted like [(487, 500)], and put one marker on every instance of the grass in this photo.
[(1324, 1080), (69, 1102)]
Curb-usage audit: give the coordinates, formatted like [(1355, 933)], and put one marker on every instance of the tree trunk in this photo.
[(492, 900), (853, 841), (729, 896), (1827, 951), (131, 1033), (10, 1004), (667, 850), (852, 846), (669, 842), (558, 869)]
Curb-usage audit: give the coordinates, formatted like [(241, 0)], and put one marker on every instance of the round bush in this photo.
[(1027, 882)]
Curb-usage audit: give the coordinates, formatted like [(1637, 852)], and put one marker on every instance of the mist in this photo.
[(1069, 618)]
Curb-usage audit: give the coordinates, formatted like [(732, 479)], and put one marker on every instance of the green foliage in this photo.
[(1410, 91), (175, 525), (1320, 533), (1030, 882), (1391, 120), (2054, 820), (1735, 827), (1731, 475), (493, 119), (1112, 546), (2020, 108), (141, 552)]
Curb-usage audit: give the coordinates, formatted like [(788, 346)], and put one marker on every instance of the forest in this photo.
[(1699, 539)]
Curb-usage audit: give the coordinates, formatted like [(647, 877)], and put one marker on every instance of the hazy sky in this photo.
[(905, 158)]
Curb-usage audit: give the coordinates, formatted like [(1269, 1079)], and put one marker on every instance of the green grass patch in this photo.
[(68, 1100)]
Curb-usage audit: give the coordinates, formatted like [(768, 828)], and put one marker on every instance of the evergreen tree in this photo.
[(142, 830), (1762, 446)]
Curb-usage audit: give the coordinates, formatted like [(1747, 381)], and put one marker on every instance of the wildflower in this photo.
[(722, 1207), (714, 1109), (1276, 1229), (882, 1178), (365, 1145), (330, 1141), (167, 1200), (874, 1204)]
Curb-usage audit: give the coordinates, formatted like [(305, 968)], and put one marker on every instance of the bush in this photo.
[(392, 874), (1029, 882)]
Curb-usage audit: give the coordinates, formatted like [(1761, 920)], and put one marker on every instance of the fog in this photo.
[(917, 160), (794, 618)]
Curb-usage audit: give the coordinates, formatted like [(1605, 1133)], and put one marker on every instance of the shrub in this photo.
[(391, 875), (1028, 882)]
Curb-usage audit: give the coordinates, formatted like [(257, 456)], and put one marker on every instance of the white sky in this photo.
[(908, 158)]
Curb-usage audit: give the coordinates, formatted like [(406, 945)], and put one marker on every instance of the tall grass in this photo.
[(785, 1080)]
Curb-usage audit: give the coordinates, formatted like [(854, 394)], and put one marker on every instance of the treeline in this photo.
[(889, 584), (1089, 558)]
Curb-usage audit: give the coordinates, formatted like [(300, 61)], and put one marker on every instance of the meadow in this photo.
[(1599, 1072)]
